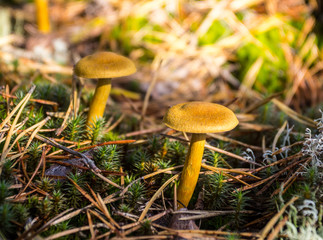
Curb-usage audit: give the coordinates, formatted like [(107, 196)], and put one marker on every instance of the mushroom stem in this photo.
[(99, 100), (191, 169), (42, 16)]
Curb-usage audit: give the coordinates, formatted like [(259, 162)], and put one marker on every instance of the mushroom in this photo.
[(102, 66), (197, 118)]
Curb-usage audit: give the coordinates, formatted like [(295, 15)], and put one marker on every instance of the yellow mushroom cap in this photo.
[(200, 117), (104, 65)]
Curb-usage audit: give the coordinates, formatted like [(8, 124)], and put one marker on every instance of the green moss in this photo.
[(272, 75), (217, 30)]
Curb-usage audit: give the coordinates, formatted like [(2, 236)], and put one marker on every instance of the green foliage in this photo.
[(111, 136), (272, 74), (53, 92), (217, 30), (141, 158), (21, 213), (123, 34), (73, 196), (312, 175), (4, 190), (75, 129), (45, 207), (239, 203), (6, 217), (58, 228), (216, 191), (163, 164), (214, 158), (32, 202), (108, 157), (20, 94), (176, 152), (125, 208), (146, 228), (136, 195), (53, 123), (95, 131), (46, 184), (6, 171), (58, 202), (232, 237), (35, 153), (34, 117), (155, 144)]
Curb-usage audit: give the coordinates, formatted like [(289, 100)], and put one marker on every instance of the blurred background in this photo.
[(219, 51)]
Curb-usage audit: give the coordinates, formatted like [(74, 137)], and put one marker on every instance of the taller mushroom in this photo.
[(197, 118), (102, 66)]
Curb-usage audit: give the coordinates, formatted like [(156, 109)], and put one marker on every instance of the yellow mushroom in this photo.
[(197, 118), (102, 66)]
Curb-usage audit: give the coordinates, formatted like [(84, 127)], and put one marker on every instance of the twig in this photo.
[(280, 131), (154, 197), (226, 139), (142, 132), (114, 125), (35, 172), (118, 142), (66, 116), (21, 105), (75, 230), (208, 214), (276, 230), (88, 162)]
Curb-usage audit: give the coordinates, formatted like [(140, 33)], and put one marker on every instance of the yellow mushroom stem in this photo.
[(191, 169), (42, 16), (99, 100)]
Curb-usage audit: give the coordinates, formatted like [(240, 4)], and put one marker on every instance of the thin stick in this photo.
[(89, 219), (87, 161), (114, 125), (226, 139), (276, 230), (215, 169), (154, 197), (34, 174), (22, 103), (64, 125), (280, 131), (118, 142), (74, 230), (141, 132)]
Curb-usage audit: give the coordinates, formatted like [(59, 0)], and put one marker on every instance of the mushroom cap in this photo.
[(200, 117), (104, 65)]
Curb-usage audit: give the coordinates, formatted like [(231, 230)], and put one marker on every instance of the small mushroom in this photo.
[(102, 66), (197, 118)]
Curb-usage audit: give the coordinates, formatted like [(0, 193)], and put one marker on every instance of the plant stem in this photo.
[(191, 170), (99, 101)]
